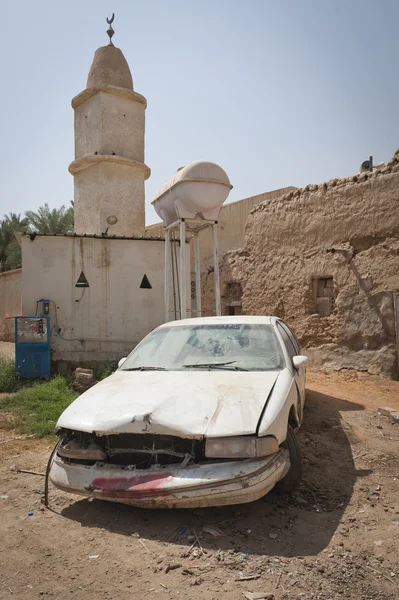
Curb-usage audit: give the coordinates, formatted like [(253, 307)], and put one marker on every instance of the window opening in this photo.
[(323, 288), (232, 297), (145, 283), (82, 281)]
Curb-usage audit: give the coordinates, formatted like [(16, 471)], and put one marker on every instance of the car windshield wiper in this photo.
[(218, 365), (145, 369)]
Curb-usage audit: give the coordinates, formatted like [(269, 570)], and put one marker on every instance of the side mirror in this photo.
[(122, 360), (300, 361)]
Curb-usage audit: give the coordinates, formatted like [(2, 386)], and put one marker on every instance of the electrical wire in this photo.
[(56, 326), (50, 462)]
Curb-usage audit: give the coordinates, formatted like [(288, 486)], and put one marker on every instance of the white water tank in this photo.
[(196, 191)]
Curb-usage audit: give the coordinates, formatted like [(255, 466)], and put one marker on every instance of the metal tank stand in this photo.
[(193, 227)]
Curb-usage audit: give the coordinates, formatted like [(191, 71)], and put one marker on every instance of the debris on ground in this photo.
[(259, 596), (213, 530), (172, 567), (83, 379), (389, 412)]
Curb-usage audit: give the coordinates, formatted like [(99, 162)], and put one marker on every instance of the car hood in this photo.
[(189, 404)]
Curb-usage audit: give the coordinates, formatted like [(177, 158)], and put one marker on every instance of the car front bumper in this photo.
[(206, 484)]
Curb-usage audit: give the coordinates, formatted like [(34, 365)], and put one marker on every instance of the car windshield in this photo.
[(226, 347)]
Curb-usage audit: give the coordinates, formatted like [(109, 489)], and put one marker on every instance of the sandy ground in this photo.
[(336, 538)]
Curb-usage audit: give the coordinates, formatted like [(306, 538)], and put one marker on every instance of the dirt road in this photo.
[(336, 538)]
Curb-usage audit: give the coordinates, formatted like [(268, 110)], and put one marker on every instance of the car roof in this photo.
[(233, 320)]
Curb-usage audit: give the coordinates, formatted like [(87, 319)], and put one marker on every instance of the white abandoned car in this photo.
[(201, 413)]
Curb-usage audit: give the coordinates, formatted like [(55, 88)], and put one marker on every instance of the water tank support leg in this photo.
[(216, 268), (167, 273), (197, 273), (183, 295)]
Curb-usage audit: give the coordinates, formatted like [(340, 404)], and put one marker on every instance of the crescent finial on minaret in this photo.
[(110, 31)]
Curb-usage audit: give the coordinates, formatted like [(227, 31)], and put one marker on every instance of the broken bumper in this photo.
[(207, 484)]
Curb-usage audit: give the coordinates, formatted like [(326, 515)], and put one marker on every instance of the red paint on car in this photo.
[(146, 483)]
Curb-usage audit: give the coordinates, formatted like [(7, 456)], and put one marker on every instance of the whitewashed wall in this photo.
[(106, 320), (10, 302)]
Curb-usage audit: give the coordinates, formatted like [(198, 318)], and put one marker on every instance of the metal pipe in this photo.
[(167, 274), (197, 274), (175, 274), (183, 297), (216, 268), (172, 225)]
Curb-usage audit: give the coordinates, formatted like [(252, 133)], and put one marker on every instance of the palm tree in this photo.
[(51, 221), (10, 250)]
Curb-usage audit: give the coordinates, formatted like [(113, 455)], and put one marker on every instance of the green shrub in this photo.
[(39, 406), (9, 380), (104, 370)]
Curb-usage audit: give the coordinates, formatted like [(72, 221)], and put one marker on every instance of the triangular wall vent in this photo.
[(145, 283), (82, 281)]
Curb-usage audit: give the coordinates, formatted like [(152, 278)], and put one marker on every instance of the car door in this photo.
[(294, 349)]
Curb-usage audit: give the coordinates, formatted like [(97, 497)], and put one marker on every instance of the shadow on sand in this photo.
[(304, 522)]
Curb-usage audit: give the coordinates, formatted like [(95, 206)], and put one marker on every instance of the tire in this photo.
[(291, 481)]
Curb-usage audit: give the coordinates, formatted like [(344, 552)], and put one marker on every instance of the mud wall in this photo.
[(340, 302), (10, 302)]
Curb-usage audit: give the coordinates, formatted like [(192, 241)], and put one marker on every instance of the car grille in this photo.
[(139, 450)]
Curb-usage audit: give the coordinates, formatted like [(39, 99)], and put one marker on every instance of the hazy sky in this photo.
[(282, 92)]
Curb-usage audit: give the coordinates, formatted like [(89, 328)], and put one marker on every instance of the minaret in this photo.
[(109, 170)]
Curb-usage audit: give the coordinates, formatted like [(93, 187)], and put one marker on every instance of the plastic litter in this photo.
[(4, 497), (182, 530), (30, 514), (215, 531), (94, 556)]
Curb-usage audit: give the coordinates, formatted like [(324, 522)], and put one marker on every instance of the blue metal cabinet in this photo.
[(32, 347)]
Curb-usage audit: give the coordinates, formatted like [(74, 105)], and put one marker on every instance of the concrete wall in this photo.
[(107, 319), (285, 255), (10, 302)]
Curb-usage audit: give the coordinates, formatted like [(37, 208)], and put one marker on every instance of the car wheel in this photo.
[(293, 477)]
